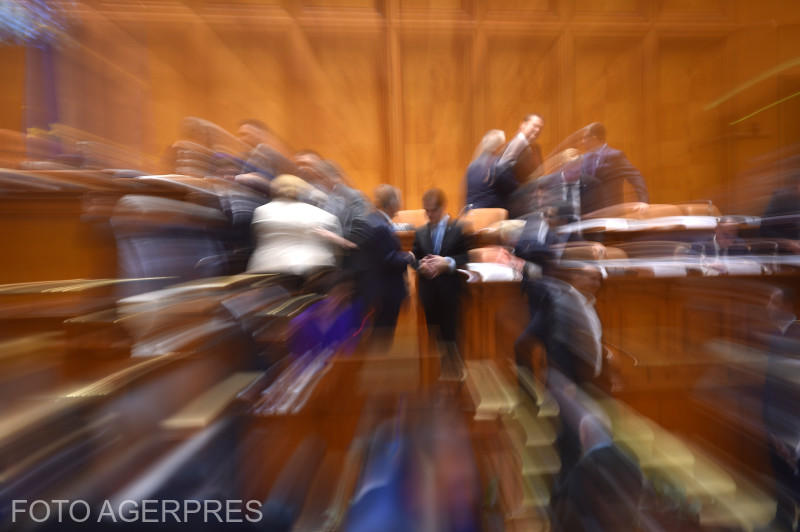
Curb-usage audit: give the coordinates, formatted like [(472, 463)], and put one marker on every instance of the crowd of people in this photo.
[(319, 232)]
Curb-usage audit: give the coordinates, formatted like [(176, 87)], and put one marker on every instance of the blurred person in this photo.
[(382, 264), (383, 500), (602, 491), (266, 157), (538, 195), (332, 193), (725, 242), (444, 439), (440, 247), (191, 154), (535, 256), (781, 396), (344, 201), (419, 474), (521, 158), (572, 331), (284, 504), (563, 187), (487, 188), (781, 219), (292, 236), (573, 347), (165, 238), (308, 164), (603, 170), (522, 154), (333, 323), (253, 132)]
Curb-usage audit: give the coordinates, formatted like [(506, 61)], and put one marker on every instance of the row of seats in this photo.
[(75, 398)]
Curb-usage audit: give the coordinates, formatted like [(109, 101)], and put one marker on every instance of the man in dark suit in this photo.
[(603, 169), (486, 188), (440, 247), (536, 254), (781, 396), (383, 263), (522, 154), (781, 219), (724, 243), (267, 156), (602, 491), (519, 160)]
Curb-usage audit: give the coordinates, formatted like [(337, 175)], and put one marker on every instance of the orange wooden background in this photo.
[(400, 91)]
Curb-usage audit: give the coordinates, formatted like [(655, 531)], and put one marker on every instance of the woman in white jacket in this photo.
[(292, 236)]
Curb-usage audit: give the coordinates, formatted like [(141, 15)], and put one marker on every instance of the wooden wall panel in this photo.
[(695, 9), (789, 86), (100, 77), (12, 97), (610, 7), (178, 79), (767, 11), (523, 8), (521, 78), (341, 4), (749, 140), (608, 90), (691, 151), (789, 110), (450, 5), (436, 116), (248, 78), (339, 104), (401, 90)]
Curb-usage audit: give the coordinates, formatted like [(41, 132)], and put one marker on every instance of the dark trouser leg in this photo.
[(431, 305), (447, 296), (385, 324), (386, 314), (786, 490), (449, 320)]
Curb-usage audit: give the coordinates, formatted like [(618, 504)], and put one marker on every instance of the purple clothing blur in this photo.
[(318, 328)]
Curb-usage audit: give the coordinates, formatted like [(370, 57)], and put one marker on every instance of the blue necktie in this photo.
[(437, 239)]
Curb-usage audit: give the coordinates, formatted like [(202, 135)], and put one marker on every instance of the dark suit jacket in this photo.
[(782, 216), (488, 186), (530, 248), (268, 162), (527, 158), (454, 244), (528, 161), (601, 493), (781, 394), (382, 265), (602, 174), (737, 248)]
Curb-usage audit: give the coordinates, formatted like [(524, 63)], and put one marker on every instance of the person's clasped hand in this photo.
[(431, 266)]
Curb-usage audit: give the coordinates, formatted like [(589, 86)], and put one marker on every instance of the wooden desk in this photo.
[(688, 351)]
